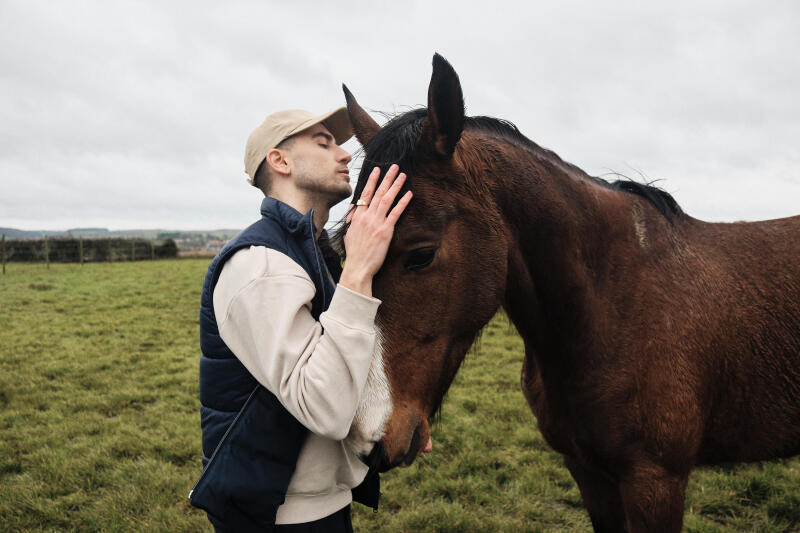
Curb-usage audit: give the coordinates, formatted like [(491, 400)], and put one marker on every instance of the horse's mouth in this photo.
[(413, 448), (377, 460)]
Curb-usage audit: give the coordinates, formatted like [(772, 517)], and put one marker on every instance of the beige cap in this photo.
[(282, 125)]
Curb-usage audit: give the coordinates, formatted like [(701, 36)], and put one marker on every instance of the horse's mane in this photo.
[(396, 141)]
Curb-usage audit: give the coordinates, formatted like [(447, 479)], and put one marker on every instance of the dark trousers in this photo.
[(338, 522)]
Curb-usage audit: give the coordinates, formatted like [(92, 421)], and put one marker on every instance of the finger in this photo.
[(394, 215), (388, 198), (369, 187), (388, 179)]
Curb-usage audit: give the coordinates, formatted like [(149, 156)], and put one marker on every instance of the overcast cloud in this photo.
[(134, 115)]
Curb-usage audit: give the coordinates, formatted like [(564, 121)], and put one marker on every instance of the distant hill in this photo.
[(99, 233)]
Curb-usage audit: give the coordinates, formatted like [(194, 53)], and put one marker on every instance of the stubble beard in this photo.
[(323, 187)]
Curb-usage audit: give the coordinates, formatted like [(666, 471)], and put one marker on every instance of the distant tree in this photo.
[(168, 248), (99, 249)]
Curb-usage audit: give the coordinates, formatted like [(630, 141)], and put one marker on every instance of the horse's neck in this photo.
[(561, 225)]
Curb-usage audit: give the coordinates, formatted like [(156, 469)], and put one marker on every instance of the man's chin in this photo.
[(339, 195)]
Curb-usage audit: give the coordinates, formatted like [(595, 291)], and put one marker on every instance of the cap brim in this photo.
[(337, 122)]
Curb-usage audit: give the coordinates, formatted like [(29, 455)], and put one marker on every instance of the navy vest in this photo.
[(250, 441)]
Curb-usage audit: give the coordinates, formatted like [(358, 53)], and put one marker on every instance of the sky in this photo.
[(135, 114)]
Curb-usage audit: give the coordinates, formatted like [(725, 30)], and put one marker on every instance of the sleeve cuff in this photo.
[(353, 309)]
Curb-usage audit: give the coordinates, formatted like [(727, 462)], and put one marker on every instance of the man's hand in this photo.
[(371, 228)]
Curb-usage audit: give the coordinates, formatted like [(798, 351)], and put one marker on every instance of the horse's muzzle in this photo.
[(379, 458)]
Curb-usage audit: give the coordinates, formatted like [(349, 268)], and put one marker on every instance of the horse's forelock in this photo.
[(395, 143)]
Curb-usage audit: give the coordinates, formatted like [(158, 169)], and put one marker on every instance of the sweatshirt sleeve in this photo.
[(262, 303)]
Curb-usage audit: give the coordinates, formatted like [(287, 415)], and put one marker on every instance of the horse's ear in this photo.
[(442, 129), (364, 126)]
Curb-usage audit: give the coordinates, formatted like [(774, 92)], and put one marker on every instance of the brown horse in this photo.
[(654, 341)]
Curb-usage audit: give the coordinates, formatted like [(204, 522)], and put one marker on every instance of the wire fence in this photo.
[(80, 250)]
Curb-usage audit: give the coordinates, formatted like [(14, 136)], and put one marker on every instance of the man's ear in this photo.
[(278, 163)]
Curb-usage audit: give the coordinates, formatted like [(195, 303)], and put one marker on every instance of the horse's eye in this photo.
[(419, 258)]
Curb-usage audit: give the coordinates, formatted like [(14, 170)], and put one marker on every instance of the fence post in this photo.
[(80, 248), (4, 254), (152, 251), (47, 252)]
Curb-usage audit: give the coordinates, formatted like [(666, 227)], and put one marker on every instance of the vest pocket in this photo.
[(245, 480)]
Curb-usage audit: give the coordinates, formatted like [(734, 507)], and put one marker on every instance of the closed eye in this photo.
[(323, 139), (419, 258)]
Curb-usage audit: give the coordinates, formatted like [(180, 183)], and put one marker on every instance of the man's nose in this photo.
[(344, 156)]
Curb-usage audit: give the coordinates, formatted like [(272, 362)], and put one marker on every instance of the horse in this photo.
[(653, 341)]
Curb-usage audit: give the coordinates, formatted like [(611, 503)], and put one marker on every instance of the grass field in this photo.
[(99, 423)]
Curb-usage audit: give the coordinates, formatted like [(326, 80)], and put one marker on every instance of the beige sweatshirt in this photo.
[(262, 303)]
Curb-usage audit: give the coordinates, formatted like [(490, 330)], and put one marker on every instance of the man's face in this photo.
[(319, 165)]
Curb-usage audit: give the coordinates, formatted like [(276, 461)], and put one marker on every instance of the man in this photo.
[(285, 356)]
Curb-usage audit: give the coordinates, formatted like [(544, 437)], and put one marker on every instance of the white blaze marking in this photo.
[(374, 406)]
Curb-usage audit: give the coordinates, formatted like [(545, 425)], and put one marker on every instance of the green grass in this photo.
[(99, 423)]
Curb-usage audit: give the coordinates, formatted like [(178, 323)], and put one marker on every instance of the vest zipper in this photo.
[(222, 440), (316, 256)]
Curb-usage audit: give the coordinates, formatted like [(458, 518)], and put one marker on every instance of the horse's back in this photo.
[(746, 335)]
